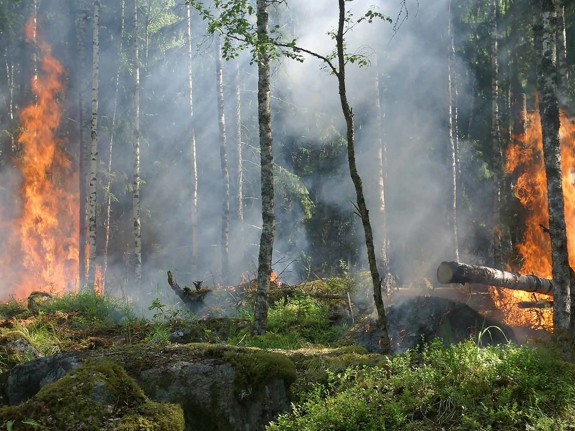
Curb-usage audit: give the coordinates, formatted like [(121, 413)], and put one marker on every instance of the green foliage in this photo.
[(164, 319), (460, 387), (301, 321), (89, 308)]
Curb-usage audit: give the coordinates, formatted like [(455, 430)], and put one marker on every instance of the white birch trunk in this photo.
[(225, 238), (93, 168), (136, 202), (545, 30), (107, 220), (193, 155)]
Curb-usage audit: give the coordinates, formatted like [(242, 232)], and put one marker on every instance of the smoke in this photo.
[(411, 63)]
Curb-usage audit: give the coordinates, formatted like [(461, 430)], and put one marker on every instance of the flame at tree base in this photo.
[(41, 241), (524, 156)]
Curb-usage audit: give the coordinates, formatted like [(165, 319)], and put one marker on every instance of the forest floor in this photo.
[(432, 386)]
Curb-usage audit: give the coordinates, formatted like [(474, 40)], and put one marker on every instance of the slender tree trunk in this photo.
[(500, 235), (561, 52), (225, 245), (266, 162), (545, 30), (10, 142), (383, 245), (83, 222), (239, 156), (107, 220), (192, 136), (453, 158), (356, 179), (93, 170), (136, 203)]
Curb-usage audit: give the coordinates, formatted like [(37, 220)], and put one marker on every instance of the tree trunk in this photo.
[(356, 179), (497, 156), (453, 148), (93, 169), (82, 186), (136, 203), (225, 245), (193, 155), (266, 161), (383, 245), (108, 199), (545, 33), (239, 157), (456, 272), (561, 52)]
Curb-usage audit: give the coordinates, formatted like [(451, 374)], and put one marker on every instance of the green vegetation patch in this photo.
[(462, 387), (98, 395)]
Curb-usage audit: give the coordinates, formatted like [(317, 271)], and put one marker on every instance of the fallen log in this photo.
[(456, 272)]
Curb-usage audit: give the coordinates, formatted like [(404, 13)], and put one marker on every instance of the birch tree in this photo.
[(82, 186), (192, 137), (225, 238), (136, 183), (453, 146), (93, 168), (266, 165), (108, 186), (545, 30)]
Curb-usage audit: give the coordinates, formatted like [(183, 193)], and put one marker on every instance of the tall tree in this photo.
[(342, 59), (561, 51), (225, 239), (545, 30), (383, 244), (82, 243), (266, 165), (496, 148), (108, 186), (192, 137), (136, 183), (453, 144), (93, 169), (239, 155)]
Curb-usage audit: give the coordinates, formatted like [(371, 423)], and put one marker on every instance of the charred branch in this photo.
[(456, 272), (190, 297)]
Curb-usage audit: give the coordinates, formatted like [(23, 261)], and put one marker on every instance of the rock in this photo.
[(217, 386), (98, 395), (26, 379), (422, 319)]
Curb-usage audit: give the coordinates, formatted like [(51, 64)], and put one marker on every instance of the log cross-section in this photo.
[(456, 272)]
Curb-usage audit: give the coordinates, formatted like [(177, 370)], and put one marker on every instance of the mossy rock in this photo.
[(97, 396)]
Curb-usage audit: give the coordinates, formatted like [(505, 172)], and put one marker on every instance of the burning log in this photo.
[(456, 272)]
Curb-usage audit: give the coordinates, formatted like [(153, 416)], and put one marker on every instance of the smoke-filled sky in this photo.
[(410, 57)]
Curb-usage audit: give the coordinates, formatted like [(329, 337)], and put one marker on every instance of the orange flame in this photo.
[(42, 252), (525, 157)]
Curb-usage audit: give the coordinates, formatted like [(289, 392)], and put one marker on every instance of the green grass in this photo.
[(462, 387), (300, 322)]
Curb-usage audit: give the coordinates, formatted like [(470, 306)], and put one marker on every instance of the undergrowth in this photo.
[(461, 387)]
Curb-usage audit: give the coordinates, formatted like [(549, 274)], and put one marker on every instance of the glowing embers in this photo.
[(41, 251), (524, 161)]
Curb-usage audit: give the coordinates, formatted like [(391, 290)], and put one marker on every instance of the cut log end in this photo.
[(445, 272)]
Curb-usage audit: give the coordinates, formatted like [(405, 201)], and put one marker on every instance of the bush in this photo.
[(462, 387)]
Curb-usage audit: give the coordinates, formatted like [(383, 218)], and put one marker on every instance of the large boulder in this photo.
[(218, 387), (96, 396)]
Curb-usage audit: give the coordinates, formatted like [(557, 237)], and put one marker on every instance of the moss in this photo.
[(153, 417), (95, 396), (256, 367)]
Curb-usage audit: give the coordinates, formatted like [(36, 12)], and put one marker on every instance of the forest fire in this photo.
[(41, 245), (525, 157)]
